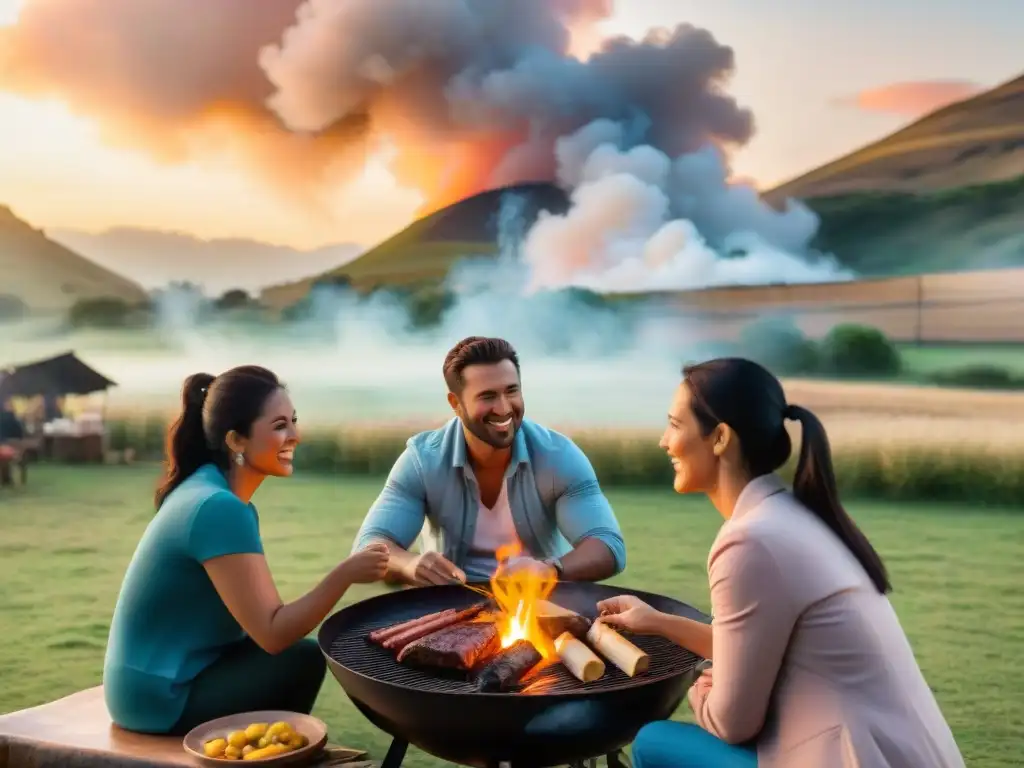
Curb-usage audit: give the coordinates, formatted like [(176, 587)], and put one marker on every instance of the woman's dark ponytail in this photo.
[(187, 448), (814, 485)]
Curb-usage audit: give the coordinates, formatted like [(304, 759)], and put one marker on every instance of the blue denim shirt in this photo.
[(553, 493)]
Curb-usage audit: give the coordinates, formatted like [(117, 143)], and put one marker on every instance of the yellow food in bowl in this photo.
[(255, 742)]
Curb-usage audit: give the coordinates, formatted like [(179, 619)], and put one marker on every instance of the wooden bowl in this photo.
[(313, 729)]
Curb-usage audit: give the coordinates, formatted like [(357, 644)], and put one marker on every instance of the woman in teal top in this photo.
[(200, 630)]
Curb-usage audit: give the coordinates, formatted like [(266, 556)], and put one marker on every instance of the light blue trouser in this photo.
[(667, 744)]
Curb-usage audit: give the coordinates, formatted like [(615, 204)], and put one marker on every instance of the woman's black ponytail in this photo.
[(747, 397), (187, 448), (814, 485)]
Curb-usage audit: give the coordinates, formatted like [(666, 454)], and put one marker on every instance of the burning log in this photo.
[(578, 658), (508, 667), (386, 633), (459, 647), (554, 620), (398, 641), (618, 650)]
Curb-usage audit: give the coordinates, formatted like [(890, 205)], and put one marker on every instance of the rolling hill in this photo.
[(977, 141), (427, 248), (49, 278), (944, 193)]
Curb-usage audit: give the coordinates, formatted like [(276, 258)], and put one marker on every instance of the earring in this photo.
[(239, 459)]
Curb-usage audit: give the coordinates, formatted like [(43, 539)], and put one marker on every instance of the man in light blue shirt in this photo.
[(490, 482)]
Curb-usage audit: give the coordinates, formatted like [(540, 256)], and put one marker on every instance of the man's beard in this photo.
[(488, 434)]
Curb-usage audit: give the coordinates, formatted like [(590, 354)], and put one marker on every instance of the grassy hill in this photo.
[(976, 141), (944, 193), (901, 233), (427, 248), (49, 278)]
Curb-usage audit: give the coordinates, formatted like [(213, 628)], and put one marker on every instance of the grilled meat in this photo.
[(462, 646)]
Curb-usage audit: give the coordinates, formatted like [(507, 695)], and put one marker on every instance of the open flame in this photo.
[(519, 593)]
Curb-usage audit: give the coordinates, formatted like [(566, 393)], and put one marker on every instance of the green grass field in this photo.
[(924, 360), (67, 538)]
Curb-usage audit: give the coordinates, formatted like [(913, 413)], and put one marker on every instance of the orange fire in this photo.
[(519, 594)]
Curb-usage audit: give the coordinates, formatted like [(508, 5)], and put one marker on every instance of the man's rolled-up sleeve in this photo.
[(582, 510), (400, 510)]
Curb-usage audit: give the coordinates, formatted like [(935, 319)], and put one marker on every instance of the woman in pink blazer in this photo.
[(811, 666)]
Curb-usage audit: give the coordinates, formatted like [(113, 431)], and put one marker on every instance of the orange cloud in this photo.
[(470, 95), (915, 98)]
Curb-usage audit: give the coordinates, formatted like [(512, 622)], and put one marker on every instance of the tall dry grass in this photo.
[(888, 442)]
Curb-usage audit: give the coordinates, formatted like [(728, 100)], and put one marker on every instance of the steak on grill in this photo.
[(461, 647)]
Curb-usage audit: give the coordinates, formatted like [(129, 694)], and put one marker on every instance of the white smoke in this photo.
[(641, 221)]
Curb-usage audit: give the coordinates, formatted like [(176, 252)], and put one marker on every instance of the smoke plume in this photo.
[(642, 221), (470, 93)]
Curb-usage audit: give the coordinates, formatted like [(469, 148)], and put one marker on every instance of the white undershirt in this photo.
[(494, 526)]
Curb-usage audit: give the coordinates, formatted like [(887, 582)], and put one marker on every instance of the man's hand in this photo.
[(432, 568), (525, 564)]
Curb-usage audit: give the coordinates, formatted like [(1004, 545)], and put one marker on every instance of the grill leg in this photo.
[(617, 760), (395, 755)]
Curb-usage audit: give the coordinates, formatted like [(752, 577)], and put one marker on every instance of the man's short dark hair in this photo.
[(475, 350)]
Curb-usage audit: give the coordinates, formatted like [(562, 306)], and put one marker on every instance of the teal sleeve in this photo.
[(224, 525), (582, 511)]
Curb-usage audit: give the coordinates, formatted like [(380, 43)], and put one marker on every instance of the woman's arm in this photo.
[(694, 636), (633, 614), (754, 619), (245, 585), (224, 537)]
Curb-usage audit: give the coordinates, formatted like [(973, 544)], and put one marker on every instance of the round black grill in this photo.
[(554, 720)]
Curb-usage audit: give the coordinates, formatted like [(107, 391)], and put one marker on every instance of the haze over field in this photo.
[(471, 96), (640, 133)]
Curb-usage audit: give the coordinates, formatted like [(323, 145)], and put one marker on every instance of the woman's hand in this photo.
[(368, 565), (629, 613)]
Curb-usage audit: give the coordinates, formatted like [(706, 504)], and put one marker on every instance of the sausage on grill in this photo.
[(399, 641), (385, 633)]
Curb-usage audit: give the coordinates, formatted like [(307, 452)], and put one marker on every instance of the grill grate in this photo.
[(351, 649)]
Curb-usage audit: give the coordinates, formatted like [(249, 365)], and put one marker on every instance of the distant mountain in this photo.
[(155, 258), (427, 248), (979, 140), (45, 276)]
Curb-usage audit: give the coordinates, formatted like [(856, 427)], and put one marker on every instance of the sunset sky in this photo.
[(820, 78)]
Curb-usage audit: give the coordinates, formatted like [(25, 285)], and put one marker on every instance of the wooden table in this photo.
[(76, 732), (74, 449)]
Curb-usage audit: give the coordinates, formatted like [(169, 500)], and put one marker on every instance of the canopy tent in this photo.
[(55, 377)]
